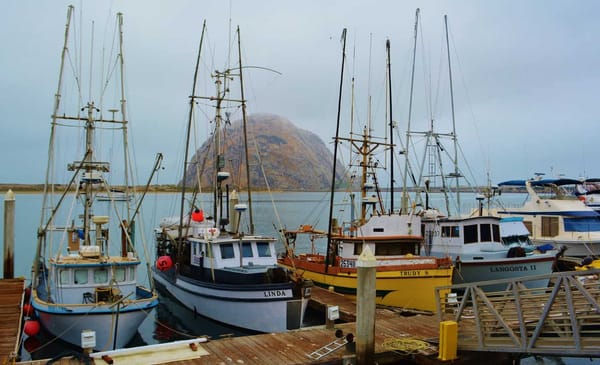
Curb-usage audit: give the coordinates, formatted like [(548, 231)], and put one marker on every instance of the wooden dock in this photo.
[(397, 338), (11, 300)]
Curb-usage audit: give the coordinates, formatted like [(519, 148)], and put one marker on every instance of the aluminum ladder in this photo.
[(329, 348)]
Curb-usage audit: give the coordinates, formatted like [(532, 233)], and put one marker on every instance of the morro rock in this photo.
[(292, 159)]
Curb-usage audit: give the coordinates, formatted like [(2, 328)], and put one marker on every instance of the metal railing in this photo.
[(561, 319)]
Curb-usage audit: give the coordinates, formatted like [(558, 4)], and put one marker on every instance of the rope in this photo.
[(405, 345)]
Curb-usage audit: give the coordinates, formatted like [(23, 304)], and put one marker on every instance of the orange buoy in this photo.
[(31, 327), (164, 263), (198, 215), (27, 310)]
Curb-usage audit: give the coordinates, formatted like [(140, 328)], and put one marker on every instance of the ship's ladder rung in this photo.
[(327, 349)]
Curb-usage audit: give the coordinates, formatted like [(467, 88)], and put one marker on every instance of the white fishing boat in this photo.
[(554, 215), (207, 263), (474, 242), (85, 284)]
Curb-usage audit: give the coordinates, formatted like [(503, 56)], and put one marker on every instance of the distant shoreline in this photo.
[(171, 188)]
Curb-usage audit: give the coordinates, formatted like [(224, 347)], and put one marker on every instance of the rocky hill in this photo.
[(292, 159)]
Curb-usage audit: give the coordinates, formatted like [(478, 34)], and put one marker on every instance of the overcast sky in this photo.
[(526, 74)]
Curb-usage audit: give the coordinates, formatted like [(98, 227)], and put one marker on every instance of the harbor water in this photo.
[(171, 321)]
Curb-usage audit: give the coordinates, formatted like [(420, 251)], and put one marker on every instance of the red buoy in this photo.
[(31, 327), (32, 344), (164, 263), (27, 310), (198, 215)]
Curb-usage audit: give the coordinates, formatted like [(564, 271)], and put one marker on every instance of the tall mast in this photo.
[(389, 69), (335, 150), (249, 187), (456, 172), (412, 82), (123, 111), (57, 97), (187, 142)]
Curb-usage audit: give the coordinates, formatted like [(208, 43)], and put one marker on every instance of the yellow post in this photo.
[(448, 340)]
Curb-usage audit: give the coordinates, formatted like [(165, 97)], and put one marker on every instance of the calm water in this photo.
[(170, 321)]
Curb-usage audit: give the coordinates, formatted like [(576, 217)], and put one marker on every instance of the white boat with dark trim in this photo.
[(554, 215), (85, 286), (486, 248), (211, 266)]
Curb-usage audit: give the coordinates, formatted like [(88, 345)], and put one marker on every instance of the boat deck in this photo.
[(11, 300)]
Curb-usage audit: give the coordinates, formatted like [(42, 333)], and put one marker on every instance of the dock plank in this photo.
[(11, 297)]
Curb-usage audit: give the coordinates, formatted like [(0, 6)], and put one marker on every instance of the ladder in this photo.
[(329, 348)]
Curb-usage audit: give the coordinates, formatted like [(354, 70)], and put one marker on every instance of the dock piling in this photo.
[(365, 307), (9, 235)]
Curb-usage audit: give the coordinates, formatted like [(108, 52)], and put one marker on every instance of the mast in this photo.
[(335, 151), (187, 143), (389, 69), (57, 97), (244, 117), (456, 172), (124, 113), (412, 82)]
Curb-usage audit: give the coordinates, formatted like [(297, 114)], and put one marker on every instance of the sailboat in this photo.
[(85, 285), (474, 242), (206, 262), (404, 279)]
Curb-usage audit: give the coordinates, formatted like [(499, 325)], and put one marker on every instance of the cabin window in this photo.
[(486, 233), (450, 231), (100, 276), (471, 233), (120, 274), (358, 247), (264, 250), (81, 276), (549, 226), (387, 249), (207, 250), (247, 249), (529, 226), (64, 277), (496, 232), (227, 251), (132, 275)]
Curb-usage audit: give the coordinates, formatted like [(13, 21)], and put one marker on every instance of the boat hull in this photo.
[(260, 308), (407, 288), (471, 271), (68, 321)]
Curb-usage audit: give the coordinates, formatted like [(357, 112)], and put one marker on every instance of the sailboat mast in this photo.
[(455, 140), (389, 69), (187, 142), (245, 122), (412, 83), (335, 151)]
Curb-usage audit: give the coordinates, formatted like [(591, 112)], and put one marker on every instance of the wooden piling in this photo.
[(365, 307), (9, 235)]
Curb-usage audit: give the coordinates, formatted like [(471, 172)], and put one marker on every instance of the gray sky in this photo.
[(525, 74)]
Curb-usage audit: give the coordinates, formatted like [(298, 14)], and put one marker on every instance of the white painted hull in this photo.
[(470, 271), (68, 325), (256, 310)]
